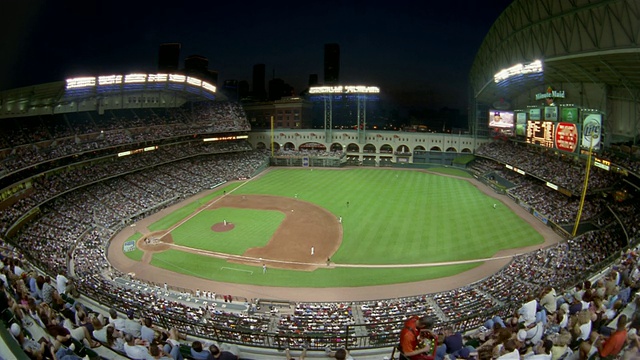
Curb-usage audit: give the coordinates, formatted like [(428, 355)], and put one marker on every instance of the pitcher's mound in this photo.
[(221, 227)]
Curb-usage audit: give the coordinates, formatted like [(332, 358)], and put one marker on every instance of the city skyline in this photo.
[(418, 54)]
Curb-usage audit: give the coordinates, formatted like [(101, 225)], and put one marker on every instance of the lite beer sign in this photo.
[(591, 129)]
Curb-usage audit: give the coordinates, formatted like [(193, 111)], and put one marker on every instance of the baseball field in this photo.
[(334, 228)]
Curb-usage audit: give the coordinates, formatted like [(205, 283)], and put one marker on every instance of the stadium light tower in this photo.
[(359, 92)]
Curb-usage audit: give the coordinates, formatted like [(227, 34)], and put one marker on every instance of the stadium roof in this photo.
[(581, 41)]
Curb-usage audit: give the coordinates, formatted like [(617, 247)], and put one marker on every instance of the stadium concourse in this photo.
[(80, 208)]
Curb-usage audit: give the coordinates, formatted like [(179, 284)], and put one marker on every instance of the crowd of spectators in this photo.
[(49, 185), (555, 206), (627, 156), (83, 206), (535, 193), (563, 171), (22, 146), (331, 319)]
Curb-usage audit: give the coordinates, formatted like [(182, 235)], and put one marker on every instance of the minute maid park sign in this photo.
[(551, 94)]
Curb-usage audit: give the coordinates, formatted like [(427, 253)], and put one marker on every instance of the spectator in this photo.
[(198, 352), (132, 326), (409, 335), (612, 344), (114, 339), (135, 349), (147, 331), (62, 284), (36, 350), (216, 353), (118, 323)]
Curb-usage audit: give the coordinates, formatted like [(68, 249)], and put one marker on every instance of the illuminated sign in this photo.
[(223, 138), (540, 133), (566, 136), (137, 151), (207, 86), (534, 114), (602, 164), (81, 82), (157, 77), (551, 95), (591, 127), (110, 80), (518, 69), (569, 114), (89, 82), (521, 172), (553, 186), (551, 113), (135, 78), (194, 81), (339, 89), (521, 123)]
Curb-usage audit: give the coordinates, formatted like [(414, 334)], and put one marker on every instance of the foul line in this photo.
[(324, 264)]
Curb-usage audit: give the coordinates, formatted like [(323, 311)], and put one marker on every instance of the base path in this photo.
[(290, 248)]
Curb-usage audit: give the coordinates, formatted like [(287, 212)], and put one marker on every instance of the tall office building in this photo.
[(259, 89), (313, 79), (331, 64), (169, 57), (198, 66)]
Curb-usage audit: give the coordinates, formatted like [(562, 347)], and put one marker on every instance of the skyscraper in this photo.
[(331, 64), (169, 57), (313, 79), (196, 64)]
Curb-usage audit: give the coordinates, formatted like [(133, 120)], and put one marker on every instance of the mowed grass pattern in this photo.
[(393, 217), (401, 217)]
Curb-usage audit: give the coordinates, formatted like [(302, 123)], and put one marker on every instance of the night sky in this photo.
[(416, 51)]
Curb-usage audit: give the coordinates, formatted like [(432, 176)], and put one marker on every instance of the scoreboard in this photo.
[(562, 136), (540, 132)]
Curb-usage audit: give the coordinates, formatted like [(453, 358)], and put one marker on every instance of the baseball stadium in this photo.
[(151, 196)]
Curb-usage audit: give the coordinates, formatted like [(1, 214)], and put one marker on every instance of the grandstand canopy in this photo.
[(104, 92)]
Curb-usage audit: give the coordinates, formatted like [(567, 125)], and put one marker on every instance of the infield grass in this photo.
[(137, 253), (254, 229), (392, 217)]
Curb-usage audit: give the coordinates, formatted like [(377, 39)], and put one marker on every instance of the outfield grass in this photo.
[(393, 217)]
